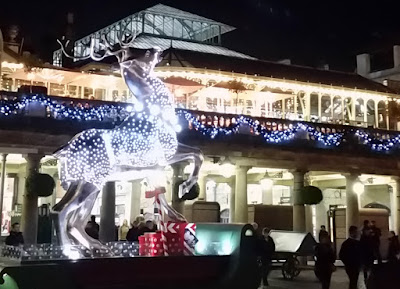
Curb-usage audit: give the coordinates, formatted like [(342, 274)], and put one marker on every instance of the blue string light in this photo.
[(270, 136), (81, 111), (63, 111), (376, 144)]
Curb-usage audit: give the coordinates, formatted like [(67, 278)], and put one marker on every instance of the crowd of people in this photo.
[(123, 233), (360, 253)]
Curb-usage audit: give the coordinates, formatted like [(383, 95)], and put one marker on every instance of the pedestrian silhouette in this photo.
[(350, 254)]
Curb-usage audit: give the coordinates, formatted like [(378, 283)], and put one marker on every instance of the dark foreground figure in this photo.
[(384, 276)]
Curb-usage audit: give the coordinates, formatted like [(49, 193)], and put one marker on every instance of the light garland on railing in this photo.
[(270, 136), (117, 112), (378, 144), (64, 111)]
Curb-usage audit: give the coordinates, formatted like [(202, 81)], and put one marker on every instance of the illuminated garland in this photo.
[(270, 136), (378, 144), (118, 112), (64, 111)]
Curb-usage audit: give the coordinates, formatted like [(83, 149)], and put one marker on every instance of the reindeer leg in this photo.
[(184, 153), (60, 212), (78, 221)]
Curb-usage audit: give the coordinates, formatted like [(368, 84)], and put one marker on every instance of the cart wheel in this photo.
[(288, 270), (296, 267)]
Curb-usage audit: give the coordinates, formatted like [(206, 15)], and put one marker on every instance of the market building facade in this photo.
[(267, 129)]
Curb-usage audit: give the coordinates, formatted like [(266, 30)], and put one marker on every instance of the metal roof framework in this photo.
[(158, 21)]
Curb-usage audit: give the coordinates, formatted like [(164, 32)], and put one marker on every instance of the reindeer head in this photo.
[(123, 50)]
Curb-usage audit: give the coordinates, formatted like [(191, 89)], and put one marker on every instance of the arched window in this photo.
[(314, 103), (371, 113), (289, 106), (382, 114), (337, 109), (277, 109), (360, 110), (326, 108)]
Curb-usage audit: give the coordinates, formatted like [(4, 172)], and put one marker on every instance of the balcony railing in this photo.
[(99, 114)]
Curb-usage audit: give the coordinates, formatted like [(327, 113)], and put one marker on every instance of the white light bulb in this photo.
[(155, 110), (139, 106)]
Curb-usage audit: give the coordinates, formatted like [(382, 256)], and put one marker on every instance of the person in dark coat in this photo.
[(394, 248), (92, 228), (133, 233), (325, 259), (322, 233), (350, 254), (367, 251), (266, 251), (15, 238), (376, 237), (366, 226)]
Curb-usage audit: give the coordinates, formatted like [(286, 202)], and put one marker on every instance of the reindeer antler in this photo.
[(69, 55), (122, 42), (109, 48)]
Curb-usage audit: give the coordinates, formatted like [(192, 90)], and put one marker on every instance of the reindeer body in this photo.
[(144, 140)]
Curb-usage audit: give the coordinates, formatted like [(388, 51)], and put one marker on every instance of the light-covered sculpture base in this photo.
[(50, 252)]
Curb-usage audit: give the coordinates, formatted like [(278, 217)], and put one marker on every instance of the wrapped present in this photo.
[(154, 244), (181, 238), (188, 238), (142, 246)]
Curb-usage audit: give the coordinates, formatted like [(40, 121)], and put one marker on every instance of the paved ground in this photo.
[(307, 279)]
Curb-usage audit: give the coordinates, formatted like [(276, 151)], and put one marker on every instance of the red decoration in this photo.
[(154, 244), (142, 246), (181, 238)]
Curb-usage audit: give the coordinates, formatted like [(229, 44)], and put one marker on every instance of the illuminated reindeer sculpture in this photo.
[(145, 140)]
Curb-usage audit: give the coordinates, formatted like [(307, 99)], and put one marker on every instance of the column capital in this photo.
[(242, 168), (4, 157), (33, 157), (299, 171), (351, 175), (395, 178)]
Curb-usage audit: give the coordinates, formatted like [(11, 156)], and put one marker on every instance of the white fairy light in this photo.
[(144, 139)]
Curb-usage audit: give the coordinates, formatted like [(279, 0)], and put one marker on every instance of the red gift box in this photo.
[(180, 238), (154, 244), (142, 246)]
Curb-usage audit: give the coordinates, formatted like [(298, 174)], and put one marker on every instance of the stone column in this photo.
[(107, 213), (177, 177), (352, 211), (241, 206), (2, 183), (267, 197), (135, 200), (168, 191), (203, 187), (54, 195), (232, 183), (29, 218), (396, 205), (299, 213)]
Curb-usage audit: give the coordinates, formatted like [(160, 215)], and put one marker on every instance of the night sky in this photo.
[(308, 32)]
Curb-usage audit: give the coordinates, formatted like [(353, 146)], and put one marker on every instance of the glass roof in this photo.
[(147, 41), (166, 21), (162, 26)]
